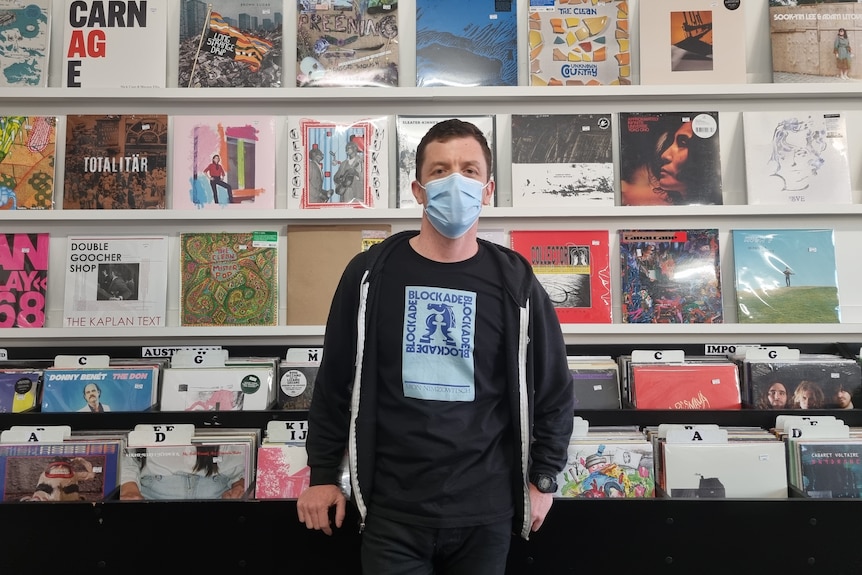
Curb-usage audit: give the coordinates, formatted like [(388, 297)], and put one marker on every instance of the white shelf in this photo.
[(643, 335), (341, 214), (489, 94)]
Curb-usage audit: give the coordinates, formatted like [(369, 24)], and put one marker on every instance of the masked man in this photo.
[(457, 412)]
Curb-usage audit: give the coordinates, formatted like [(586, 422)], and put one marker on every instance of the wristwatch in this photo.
[(544, 483)]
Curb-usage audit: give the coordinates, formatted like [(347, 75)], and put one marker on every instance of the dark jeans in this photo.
[(215, 183), (391, 548)]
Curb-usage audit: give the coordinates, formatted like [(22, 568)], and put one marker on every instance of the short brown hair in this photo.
[(448, 130)]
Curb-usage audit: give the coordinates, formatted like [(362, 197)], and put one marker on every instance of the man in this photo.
[(349, 177), (459, 404), (93, 395), (316, 193), (776, 396), (118, 288)]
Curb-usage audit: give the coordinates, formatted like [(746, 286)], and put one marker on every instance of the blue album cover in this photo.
[(99, 390), (19, 390), (69, 471), (466, 43)]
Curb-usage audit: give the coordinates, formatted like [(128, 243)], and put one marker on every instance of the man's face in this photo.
[(91, 394), (842, 398), (777, 395), (461, 155)]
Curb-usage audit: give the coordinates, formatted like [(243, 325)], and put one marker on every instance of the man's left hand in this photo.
[(540, 504)]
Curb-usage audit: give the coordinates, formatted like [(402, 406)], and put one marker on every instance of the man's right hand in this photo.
[(313, 505)]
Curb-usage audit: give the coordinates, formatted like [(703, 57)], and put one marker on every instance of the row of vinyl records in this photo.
[(207, 379), (343, 43), (231, 278), (157, 161), (794, 458), (202, 379)]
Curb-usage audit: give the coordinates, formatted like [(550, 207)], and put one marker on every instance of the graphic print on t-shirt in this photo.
[(437, 351)]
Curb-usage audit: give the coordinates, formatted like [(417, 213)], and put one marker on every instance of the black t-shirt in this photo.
[(444, 425)]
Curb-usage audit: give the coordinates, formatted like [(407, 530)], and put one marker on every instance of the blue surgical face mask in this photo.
[(453, 203)]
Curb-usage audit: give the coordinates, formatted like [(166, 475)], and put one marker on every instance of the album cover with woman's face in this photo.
[(670, 158)]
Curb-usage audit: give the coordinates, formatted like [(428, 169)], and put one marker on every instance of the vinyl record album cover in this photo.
[(796, 157), (686, 42), (116, 281), (223, 162), (562, 160), (573, 267), (228, 278), (25, 42), (689, 385), (338, 162), (737, 469), (576, 45), (103, 43), (230, 43), (409, 131), (466, 44), (23, 279), (227, 388), (27, 154), (282, 471), (809, 383), (20, 389), (670, 158), (99, 390), (830, 468), (115, 162), (215, 469), (69, 471), (671, 276), (344, 43), (807, 40), (608, 469), (786, 276)]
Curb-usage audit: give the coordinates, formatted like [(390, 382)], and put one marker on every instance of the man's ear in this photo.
[(418, 193), (488, 193)]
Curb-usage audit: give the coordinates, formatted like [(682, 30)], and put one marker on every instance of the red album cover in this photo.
[(686, 386), (282, 471), (23, 279), (573, 267)]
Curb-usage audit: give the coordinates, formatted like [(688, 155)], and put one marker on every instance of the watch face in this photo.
[(545, 484)]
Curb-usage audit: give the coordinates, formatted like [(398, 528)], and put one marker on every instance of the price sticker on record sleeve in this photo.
[(293, 383), (264, 239), (542, 6), (704, 126)]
